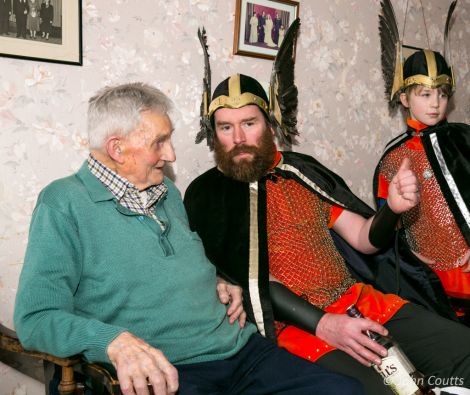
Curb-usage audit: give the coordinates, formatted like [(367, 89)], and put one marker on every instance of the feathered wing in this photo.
[(390, 51), (205, 131), (447, 53), (283, 93)]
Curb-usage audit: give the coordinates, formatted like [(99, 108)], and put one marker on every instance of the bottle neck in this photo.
[(353, 311)]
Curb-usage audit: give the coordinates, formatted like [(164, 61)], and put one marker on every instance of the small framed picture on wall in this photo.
[(260, 26), (44, 30)]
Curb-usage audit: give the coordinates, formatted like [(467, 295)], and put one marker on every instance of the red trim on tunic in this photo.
[(372, 303), (382, 191), (416, 125), (456, 283), (415, 143), (335, 212), (277, 158)]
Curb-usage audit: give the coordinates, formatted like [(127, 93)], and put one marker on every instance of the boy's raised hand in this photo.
[(403, 191)]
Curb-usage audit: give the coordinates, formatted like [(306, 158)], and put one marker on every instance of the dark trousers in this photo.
[(21, 25), (438, 347), (4, 23), (262, 368)]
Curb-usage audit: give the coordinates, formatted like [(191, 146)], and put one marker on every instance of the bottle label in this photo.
[(396, 376)]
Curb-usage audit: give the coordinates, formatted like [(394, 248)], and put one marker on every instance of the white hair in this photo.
[(116, 110)]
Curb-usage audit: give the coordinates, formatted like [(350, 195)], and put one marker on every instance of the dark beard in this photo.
[(247, 170)]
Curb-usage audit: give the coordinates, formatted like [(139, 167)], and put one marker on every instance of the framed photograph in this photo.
[(260, 26), (44, 30)]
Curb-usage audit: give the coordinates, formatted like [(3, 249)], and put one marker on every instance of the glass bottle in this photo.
[(396, 369)]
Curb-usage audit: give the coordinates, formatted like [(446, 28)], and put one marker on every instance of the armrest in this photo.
[(11, 350), (101, 378), (9, 342)]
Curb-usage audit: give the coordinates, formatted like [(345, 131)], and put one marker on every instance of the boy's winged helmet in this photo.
[(403, 66), (240, 90)]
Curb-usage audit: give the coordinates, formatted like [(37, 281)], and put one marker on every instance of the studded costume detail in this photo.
[(302, 254), (430, 227)]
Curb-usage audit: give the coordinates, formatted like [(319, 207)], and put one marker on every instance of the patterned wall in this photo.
[(343, 117)]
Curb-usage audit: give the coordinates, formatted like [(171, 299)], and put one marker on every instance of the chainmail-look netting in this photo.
[(302, 254), (430, 227)]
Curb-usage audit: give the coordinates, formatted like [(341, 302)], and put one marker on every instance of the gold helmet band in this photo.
[(432, 80)]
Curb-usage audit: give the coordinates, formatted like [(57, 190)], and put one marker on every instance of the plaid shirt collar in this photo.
[(125, 192)]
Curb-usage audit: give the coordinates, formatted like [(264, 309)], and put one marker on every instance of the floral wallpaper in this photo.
[(343, 115)]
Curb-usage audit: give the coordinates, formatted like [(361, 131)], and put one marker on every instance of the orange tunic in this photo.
[(302, 255)]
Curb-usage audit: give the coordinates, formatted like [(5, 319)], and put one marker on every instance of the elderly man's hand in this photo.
[(232, 294), (137, 363), (349, 335), (403, 191)]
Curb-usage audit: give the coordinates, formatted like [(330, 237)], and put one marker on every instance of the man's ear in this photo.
[(273, 132), (114, 149), (404, 100)]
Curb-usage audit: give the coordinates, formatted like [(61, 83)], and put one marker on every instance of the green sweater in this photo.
[(94, 269)]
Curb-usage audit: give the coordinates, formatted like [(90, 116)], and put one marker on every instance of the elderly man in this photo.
[(113, 272), (265, 218)]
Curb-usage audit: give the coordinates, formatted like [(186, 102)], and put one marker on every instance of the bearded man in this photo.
[(265, 216)]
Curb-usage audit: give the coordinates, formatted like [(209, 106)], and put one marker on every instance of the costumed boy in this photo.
[(437, 230)]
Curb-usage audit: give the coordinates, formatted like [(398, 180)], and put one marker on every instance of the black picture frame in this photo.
[(62, 38)]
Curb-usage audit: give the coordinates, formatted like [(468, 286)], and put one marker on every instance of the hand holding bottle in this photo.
[(349, 335)]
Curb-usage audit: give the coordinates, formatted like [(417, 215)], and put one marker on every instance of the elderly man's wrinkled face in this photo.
[(146, 150), (244, 145)]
